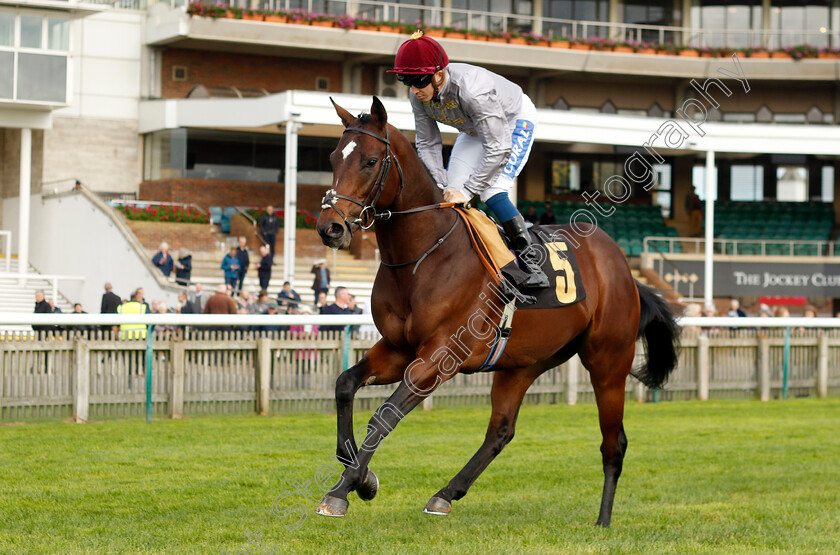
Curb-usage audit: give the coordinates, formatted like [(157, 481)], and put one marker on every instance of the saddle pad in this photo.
[(561, 267), (489, 233)]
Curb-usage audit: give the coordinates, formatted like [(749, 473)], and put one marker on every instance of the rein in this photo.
[(369, 215)]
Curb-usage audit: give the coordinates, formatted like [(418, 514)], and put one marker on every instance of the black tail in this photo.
[(661, 334)]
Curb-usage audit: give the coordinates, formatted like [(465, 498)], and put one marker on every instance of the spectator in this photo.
[(142, 294), (183, 267), (244, 261), (262, 301), (321, 301), (264, 270), (134, 306), (692, 310), (41, 307), (735, 309), (693, 207), (764, 311), (163, 260), (77, 309), (531, 215), (287, 296), (782, 312), (709, 311), (342, 299), (199, 299), (810, 312), (220, 302), (548, 216), (269, 228), (244, 303), (186, 306), (322, 277), (164, 330), (110, 300), (271, 309), (230, 265)]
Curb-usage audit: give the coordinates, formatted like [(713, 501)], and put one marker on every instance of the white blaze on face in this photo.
[(351, 146)]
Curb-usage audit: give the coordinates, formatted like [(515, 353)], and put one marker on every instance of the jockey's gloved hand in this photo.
[(455, 196)]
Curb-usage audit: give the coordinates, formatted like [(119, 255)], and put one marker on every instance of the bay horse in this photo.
[(429, 289)]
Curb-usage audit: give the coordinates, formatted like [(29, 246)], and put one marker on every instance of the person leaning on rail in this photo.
[(496, 123)]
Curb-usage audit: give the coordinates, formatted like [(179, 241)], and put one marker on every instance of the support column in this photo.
[(290, 202), (708, 270), (25, 198), (572, 368), (822, 367), (81, 380)]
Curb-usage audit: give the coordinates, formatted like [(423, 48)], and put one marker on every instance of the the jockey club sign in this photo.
[(758, 278)]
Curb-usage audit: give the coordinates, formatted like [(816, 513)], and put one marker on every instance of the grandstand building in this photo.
[(639, 101)]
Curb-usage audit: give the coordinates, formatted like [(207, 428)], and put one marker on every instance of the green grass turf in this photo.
[(731, 476)]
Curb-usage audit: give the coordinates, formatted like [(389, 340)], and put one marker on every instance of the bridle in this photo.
[(368, 215)]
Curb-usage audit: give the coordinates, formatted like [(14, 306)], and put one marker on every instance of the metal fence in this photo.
[(93, 375)]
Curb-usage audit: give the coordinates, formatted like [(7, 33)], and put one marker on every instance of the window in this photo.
[(582, 10), (662, 191), (747, 183), (648, 12), (565, 177), (603, 170), (42, 77), (31, 27), (7, 29), (791, 183), (800, 22), (827, 184), (58, 33), (698, 177), (722, 22)]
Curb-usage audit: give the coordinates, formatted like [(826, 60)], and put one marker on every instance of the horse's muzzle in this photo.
[(334, 234)]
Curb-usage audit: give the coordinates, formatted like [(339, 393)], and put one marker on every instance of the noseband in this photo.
[(368, 215)]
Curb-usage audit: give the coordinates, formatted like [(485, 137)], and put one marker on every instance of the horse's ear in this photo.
[(378, 113), (346, 117)]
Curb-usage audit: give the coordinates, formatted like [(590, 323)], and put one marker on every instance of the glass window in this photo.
[(7, 64), (800, 23), (698, 176), (602, 171), (42, 77), (58, 33), (565, 177), (7, 29), (747, 183), (723, 22), (791, 183), (827, 184), (662, 193), (31, 27)]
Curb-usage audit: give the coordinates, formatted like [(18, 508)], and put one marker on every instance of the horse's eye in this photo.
[(371, 162)]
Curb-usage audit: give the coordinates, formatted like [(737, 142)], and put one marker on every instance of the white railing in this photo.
[(737, 246), (552, 27), (7, 248), (53, 279)]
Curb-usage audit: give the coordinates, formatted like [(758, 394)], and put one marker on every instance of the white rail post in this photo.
[(764, 368), (822, 367), (703, 369), (263, 375), (708, 263), (176, 399), (81, 380), (572, 368)]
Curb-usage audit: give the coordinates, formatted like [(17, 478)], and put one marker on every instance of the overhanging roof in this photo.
[(314, 108)]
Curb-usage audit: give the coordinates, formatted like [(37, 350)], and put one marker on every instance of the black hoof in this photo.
[(602, 524), (332, 506), (438, 506), (369, 488)]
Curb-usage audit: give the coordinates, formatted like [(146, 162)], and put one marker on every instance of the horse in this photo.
[(435, 316)]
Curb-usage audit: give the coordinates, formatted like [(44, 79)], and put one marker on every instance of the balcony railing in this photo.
[(549, 27)]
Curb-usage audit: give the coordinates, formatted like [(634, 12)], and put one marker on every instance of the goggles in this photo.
[(416, 81)]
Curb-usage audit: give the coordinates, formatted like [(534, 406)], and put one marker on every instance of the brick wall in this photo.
[(210, 192), (195, 237), (244, 71)]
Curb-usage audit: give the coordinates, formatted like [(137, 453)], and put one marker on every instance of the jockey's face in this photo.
[(426, 93)]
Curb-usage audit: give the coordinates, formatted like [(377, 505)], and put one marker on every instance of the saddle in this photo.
[(559, 263)]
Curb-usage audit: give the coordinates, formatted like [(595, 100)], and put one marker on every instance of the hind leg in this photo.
[(608, 365), (509, 387)]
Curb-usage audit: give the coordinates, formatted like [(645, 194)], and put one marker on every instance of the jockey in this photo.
[(495, 120)]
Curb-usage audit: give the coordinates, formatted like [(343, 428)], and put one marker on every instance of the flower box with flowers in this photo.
[(164, 213), (253, 15), (200, 9), (365, 24), (390, 26), (536, 39), (454, 33), (828, 53), (321, 20), (276, 17)]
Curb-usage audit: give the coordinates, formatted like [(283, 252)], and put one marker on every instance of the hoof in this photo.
[(332, 506), (438, 506), (369, 488)]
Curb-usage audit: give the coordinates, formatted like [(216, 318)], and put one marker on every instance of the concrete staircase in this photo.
[(15, 297), (345, 270)]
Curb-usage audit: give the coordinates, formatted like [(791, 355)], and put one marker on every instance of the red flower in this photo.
[(178, 219)]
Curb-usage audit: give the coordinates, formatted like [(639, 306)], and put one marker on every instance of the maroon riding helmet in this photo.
[(418, 59)]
